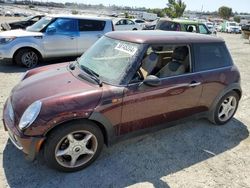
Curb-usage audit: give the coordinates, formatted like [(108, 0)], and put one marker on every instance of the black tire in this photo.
[(214, 114), (134, 29), (61, 132), (27, 57)]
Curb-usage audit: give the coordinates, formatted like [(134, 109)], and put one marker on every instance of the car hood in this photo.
[(19, 33), (55, 87)]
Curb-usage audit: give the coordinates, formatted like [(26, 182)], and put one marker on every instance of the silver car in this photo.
[(52, 36)]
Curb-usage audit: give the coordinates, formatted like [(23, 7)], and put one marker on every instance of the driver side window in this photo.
[(164, 61), (64, 25)]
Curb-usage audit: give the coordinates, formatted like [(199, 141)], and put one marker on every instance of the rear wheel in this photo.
[(27, 57), (73, 147), (225, 108)]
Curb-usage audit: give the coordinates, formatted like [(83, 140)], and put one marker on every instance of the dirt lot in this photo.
[(193, 154)]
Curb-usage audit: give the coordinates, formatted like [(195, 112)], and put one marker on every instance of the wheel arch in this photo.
[(233, 87), (28, 47), (98, 119)]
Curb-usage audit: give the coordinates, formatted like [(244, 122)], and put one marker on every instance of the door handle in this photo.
[(194, 84)]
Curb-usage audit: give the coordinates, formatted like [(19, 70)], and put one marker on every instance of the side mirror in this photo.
[(152, 80), (51, 30)]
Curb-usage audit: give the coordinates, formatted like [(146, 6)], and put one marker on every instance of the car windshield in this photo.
[(110, 59), (232, 24), (38, 26)]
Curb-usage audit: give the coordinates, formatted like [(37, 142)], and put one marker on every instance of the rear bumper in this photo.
[(29, 145)]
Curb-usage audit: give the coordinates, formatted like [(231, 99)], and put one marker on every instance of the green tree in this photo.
[(225, 12), (158, 11), (175, 8), (237, 19)]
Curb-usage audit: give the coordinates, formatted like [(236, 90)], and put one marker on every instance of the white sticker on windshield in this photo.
[(126, 48)]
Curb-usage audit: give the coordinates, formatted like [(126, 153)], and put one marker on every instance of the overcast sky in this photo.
[(208, 5)]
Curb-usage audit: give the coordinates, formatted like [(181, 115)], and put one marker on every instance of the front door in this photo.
[(146, 106), (60, 38)]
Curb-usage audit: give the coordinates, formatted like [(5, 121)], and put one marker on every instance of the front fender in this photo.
[(26, 43)]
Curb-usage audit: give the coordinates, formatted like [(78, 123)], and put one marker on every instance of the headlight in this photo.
[(29, 115), (6, 40)]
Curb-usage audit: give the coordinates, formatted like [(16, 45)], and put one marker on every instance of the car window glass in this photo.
[(91, 25), (110, 58), (35, 19), (168, 26), (130, 22), (190, 28), (202, 29), (165, 61), (211, 56), (64, 25), (139, 21)]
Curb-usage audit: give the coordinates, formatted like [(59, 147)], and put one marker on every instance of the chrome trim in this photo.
[(194, 84), (14, 141)]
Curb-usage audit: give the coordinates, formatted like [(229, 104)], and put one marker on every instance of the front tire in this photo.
[(73, 147), (27, 57), (225, 108)]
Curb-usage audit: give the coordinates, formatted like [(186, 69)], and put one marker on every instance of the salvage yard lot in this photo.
[(192, 154)]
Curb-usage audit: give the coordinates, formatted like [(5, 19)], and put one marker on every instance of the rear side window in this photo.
[(91, 25), (211, 56), (168, 26), (203, 29)]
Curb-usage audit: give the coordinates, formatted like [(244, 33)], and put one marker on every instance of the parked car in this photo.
[(52, 36), (140, 22), (127, 82), (28, 21), (211, 26), (150, 25), (125, 24), (182, 25), (230, 27), (246, 31)]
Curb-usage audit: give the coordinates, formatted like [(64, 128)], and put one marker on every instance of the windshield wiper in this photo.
[(92, 74)]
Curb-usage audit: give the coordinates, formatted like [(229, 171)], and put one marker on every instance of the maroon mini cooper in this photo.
[(125, 84)]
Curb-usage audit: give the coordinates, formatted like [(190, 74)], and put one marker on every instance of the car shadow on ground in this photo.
[(6, 66), (144, 159)]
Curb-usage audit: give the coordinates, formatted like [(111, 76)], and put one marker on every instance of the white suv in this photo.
[(52, 36)]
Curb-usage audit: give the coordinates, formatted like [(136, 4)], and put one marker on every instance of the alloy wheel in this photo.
[(29, 59), (227, 108), (76, 149)]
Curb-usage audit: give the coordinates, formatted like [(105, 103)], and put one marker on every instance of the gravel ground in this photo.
[(193, 154)]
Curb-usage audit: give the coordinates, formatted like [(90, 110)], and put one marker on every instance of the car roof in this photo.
[(181, 21), (78, 17), (159, 37)]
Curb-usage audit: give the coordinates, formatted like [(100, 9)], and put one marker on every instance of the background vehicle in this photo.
[(51, 37), (211, 26), (142, 23), (182, 25), (125, 24), (230, 27), (125, 83), (21, 24), (148, 16), (150, 25), (246, 31)]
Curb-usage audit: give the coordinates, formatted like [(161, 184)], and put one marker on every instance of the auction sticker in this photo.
[(126, 48)]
